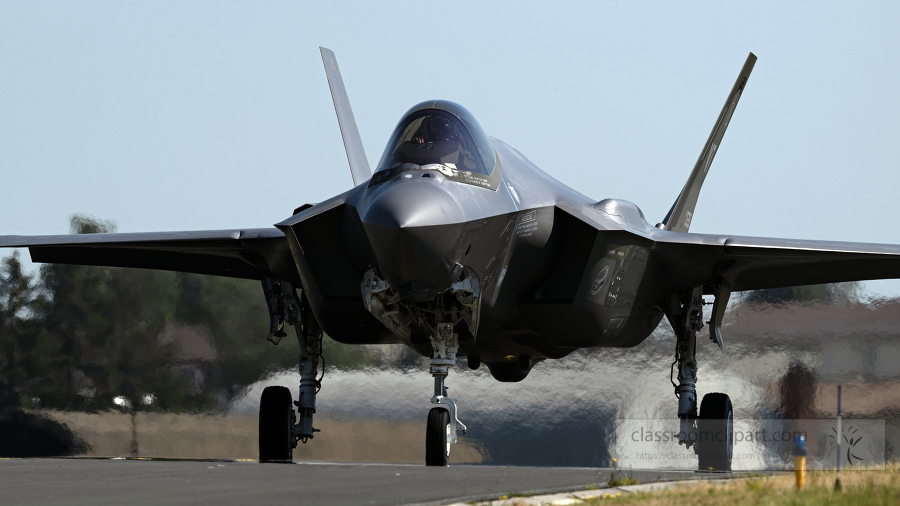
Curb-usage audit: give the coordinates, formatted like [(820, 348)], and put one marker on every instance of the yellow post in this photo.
[(800, 471), (800, 461)]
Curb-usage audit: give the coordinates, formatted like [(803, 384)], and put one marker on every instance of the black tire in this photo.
[(437, 445), (716, 438), (276, 414)]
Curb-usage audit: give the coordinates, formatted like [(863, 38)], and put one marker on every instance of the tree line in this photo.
[(93, 338)]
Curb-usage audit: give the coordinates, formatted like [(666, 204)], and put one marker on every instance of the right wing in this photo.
[(248, 253)]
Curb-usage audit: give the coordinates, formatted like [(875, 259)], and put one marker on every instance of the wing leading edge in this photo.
[(754, 263), (682, 260), (248, 253)]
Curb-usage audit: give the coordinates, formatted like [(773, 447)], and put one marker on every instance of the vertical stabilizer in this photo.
[(679, 217), (356, 155)]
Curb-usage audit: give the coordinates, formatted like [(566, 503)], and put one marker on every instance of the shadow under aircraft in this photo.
[(457, 245)]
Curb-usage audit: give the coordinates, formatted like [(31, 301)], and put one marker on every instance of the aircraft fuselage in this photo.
[(549, 282)]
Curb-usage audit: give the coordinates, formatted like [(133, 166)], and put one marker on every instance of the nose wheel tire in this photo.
[(437, 438), (716, 437), (276, 418)]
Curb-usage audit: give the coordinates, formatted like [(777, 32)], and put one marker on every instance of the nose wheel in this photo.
[(437, 438), (443, 421)]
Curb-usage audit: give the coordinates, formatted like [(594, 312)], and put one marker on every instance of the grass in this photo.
[(876, 487), (620, 481)]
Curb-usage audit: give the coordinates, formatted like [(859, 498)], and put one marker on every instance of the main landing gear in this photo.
[(711, 431), (279, 428)]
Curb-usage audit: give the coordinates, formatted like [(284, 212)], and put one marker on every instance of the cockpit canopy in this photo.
[(439, 132)]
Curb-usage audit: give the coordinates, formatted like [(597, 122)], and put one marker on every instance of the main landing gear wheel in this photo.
[(716, 438), (437, 438), (276, 419)]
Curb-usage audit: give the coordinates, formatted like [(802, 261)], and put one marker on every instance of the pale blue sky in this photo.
[(208, 115)]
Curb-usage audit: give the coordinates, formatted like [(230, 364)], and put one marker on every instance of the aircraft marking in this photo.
[(600, 280), (528, 225), (709, 157)]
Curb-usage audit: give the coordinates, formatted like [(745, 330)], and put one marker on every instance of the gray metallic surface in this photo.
[(140, 238), (114, 482), (248, 253), (356, 155), (413, 200)]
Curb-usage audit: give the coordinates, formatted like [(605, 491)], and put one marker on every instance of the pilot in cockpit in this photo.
[(433, 137), (436, 129)]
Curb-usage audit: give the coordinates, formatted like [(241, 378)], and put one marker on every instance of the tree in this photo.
[(99, 338), (17, 330), (84, 337)]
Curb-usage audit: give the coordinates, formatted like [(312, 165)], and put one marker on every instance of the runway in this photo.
[(107, 481)]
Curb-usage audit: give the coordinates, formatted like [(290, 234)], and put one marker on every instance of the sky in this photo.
[(217, 115)]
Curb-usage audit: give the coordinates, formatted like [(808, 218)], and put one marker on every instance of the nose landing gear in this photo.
[(443, 422), (436, 317)]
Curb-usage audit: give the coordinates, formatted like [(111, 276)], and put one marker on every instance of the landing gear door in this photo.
[(722, 293)]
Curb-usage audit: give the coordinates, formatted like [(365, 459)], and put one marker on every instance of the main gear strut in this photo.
[(287, 308), (710, 432), (685, 314)]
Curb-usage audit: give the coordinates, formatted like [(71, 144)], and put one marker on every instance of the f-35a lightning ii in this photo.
[(458, 245)]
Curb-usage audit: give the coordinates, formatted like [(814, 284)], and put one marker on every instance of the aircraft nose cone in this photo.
[(414, 230), (413, 204)]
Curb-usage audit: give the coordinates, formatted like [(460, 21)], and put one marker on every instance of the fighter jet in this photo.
[(458, 246)]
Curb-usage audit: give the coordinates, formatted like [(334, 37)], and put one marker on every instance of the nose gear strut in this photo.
[(409, 319), (442, 430), (445, 346)]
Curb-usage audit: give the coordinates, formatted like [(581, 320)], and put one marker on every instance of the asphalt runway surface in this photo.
[(117, 481)]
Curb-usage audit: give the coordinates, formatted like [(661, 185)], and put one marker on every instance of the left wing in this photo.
[(754, 263), (680, 261), (248, 253)]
